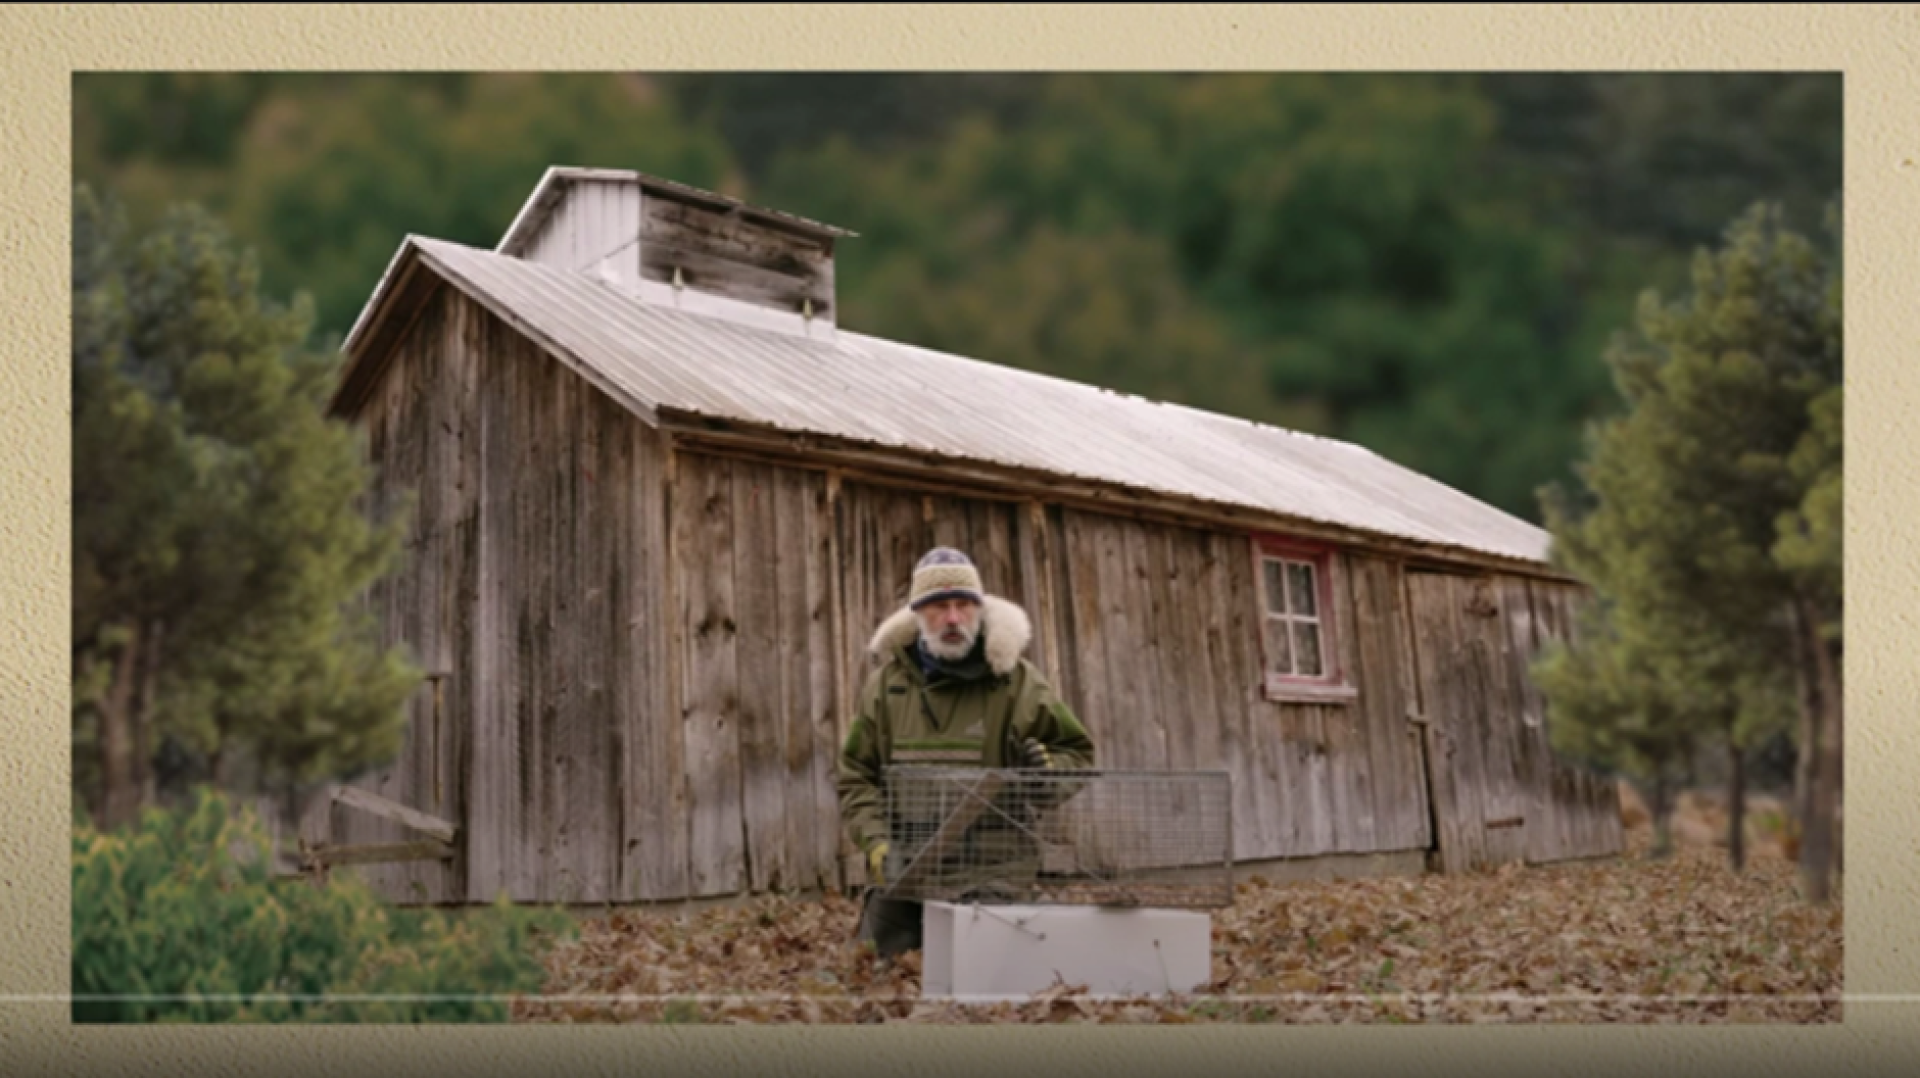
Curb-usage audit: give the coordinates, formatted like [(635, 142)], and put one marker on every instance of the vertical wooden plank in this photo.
[(614, 478), (1268, 813), (825, 697), (1395, 780), (1339, 746), (1147, 592), (1465, 719), (494, 815), (1109, 634), (579, 748), (1121, 634), (908, 535), (656, 862), (1229, 687), (1164, 664), (1081, 569), (605, 486), (1419, 742), (444, 698), (465, 368), (1031, 556), (796, 702), (717, 863), (990, 540), (1502, 726), (946, 519), (1051, 540), (1427, 602), (1471, 679), (759, 591), (1349, 738), (1371, 764), (1193, 600), (530, 568), (1307, 755), (569, 746), (849, 534)]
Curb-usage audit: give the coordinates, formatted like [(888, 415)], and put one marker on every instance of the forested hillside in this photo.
[(1428, 265)]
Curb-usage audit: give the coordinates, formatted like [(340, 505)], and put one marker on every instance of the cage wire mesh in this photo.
[(1072, 837)]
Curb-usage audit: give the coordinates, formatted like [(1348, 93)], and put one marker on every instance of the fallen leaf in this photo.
[(1301, 981)]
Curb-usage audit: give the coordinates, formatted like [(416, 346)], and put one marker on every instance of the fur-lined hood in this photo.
[(1007, 628)]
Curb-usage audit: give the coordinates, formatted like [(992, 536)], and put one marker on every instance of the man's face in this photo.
[(949, 627)]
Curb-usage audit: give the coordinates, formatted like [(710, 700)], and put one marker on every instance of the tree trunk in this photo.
[(1806, 745), (119, 788), (143, 716), (1818, 850), (1662, 816), (1737, 803)]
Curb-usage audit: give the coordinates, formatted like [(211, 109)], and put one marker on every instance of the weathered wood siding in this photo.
[(529, 586), (422, 436), (646, 655), (1500, 794), (558, 478), (1159, 640), (722, 254), (757, 704)]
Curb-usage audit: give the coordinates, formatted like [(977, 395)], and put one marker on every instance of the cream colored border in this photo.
[(1875, 45)]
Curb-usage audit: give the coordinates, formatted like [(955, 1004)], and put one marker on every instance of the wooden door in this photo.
[(1469, 719)]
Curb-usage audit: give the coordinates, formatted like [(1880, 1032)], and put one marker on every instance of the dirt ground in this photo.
[(1677, 939)]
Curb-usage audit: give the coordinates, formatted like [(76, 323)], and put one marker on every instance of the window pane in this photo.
[(1276, 592), (1300, 586), (1307, 637), (1280, 652)]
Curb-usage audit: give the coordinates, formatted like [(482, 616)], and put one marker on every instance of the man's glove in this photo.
[(1034, 754), (876, 857)]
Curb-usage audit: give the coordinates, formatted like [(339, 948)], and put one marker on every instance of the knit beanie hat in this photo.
[(945, 573)]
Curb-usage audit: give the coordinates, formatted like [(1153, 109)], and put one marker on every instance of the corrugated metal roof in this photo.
[(870, 389)]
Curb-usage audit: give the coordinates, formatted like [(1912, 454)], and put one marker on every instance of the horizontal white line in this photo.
[(1302, 997)]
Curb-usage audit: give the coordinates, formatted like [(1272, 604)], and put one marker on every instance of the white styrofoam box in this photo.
[(994, 953)]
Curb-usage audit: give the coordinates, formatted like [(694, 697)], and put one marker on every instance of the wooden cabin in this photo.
[(661, 499)]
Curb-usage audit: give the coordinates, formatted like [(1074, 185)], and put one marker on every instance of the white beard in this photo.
[(951, 652)]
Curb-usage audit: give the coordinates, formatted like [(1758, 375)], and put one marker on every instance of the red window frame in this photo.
[(1330, 685)]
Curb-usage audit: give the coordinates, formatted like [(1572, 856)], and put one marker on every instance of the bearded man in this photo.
[(953, 689)]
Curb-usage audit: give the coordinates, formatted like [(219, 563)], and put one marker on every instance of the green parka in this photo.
[(901, 718)]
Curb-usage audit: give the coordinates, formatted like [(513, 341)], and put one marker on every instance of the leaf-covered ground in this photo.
[(1631, 940)]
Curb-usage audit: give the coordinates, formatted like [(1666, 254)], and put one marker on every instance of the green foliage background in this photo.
[(1429, 265), (181, 919)]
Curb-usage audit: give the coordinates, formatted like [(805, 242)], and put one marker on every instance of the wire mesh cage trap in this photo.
[(1158, 839)]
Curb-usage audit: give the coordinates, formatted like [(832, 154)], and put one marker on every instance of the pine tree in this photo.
[(217, 548), (1710, 526)]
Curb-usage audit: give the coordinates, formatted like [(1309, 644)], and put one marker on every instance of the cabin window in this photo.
[(1295, 589)]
